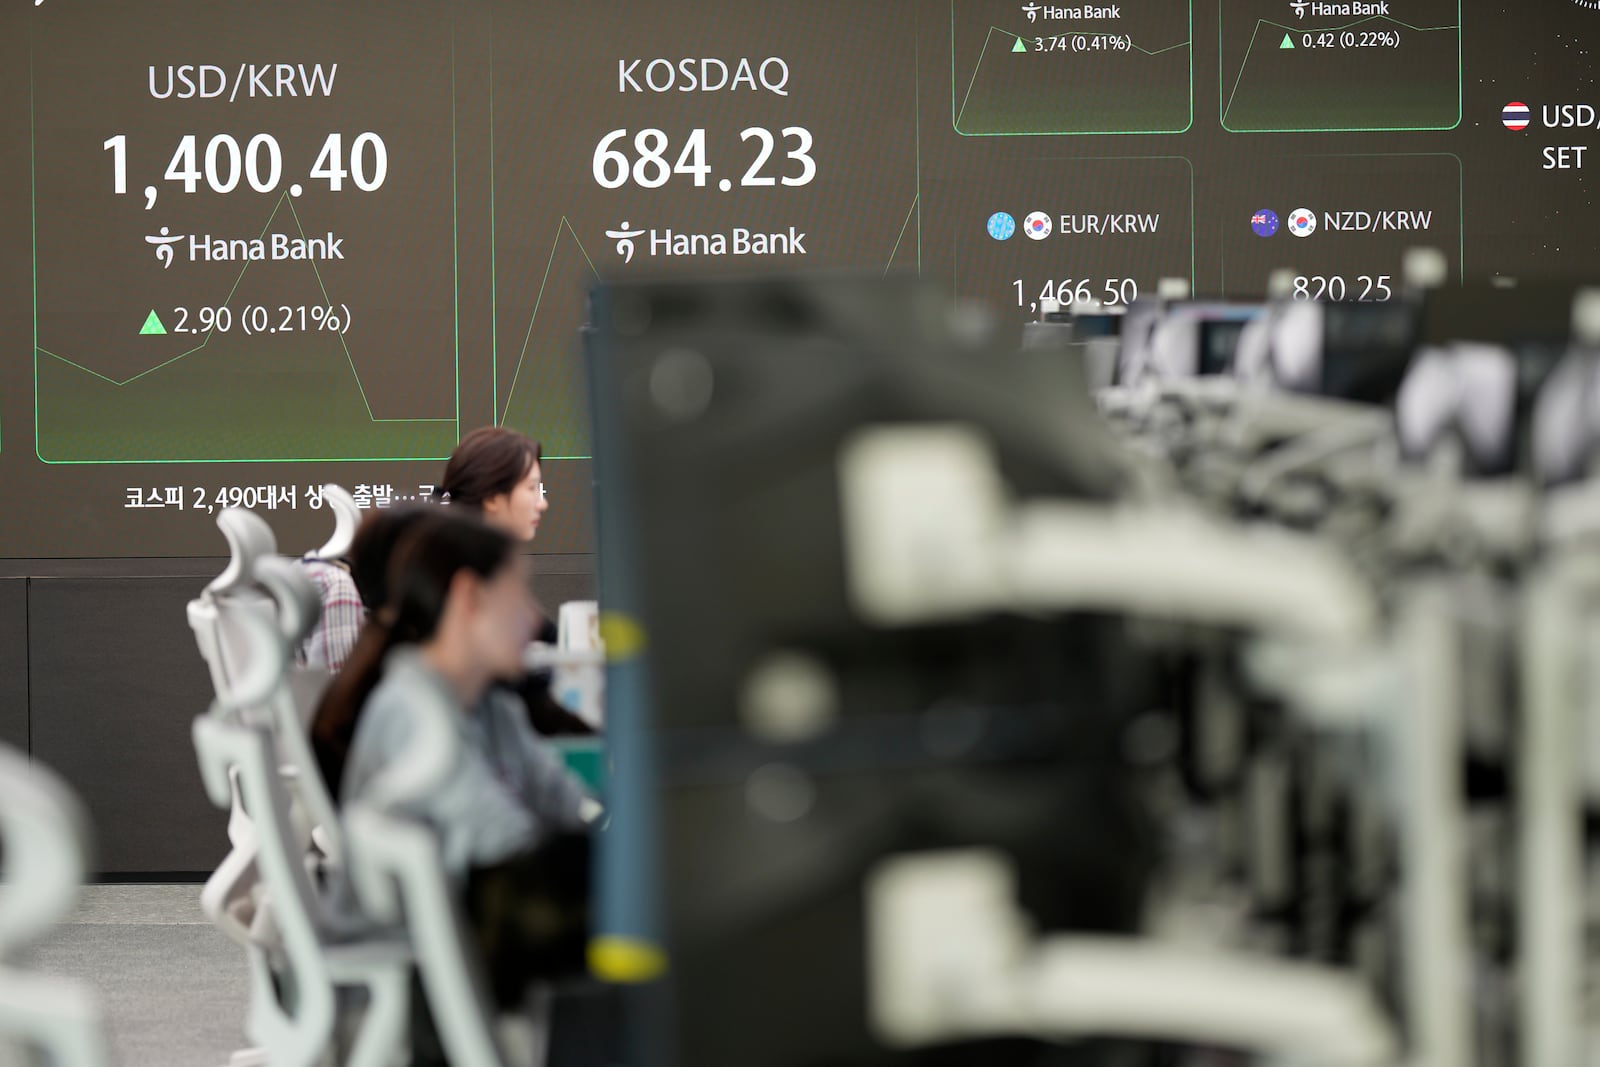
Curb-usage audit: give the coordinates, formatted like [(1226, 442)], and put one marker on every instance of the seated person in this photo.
[(412, 646), (496, 474), (373, 549), (330, 642), (511, 822)]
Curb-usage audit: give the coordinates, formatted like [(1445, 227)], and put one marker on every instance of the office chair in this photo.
[(45, 836), (346, 519), (248, 620), (239, 756)]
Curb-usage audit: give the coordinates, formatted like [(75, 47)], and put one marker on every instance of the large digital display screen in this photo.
[(247, 248)]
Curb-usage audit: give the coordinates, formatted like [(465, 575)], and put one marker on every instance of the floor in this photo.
[(174, 991), (172, 987)]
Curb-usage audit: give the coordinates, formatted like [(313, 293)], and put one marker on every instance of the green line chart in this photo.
[(1129, 75), (1375, 73), (545, 396), (546, 393), (297, 394)]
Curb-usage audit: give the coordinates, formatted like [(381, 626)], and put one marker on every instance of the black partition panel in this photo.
[(14, 662), (554, 590), (100, 679), (116, 682)]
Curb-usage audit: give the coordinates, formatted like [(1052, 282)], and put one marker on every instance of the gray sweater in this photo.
[(506, 789)]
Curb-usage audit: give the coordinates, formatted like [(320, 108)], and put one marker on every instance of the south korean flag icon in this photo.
[(1302, 222), (1037, 225)]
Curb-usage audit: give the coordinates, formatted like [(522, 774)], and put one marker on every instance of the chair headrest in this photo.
[(249, 539), (346, 517), (299, 606), (257, 653)]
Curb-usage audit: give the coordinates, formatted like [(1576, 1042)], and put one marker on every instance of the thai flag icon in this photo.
[(1515, 115)]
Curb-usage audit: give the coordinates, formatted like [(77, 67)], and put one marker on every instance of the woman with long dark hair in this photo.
[(455, 621), (511, 823)]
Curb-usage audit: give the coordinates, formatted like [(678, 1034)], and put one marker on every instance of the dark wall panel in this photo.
[(116, 682), (554, 590), (103, 669), (14, 662)]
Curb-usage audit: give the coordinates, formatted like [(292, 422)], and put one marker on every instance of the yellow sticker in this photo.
[(622, 635), (625, 961)]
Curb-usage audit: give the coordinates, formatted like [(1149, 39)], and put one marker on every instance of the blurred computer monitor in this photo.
[(720, 411)]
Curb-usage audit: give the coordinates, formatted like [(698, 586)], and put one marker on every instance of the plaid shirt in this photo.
[(329, 645)]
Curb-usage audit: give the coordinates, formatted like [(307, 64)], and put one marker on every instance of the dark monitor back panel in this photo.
[(986, 731)]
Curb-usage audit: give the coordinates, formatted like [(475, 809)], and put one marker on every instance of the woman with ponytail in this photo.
[(511, 823), (334, 726), (455, 621)]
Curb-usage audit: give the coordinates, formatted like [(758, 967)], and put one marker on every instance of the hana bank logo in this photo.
[(163, 243), (624, 236)]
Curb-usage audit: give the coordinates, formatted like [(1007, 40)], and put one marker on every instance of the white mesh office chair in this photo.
[(295, 599), (346, 518), (229, 896), (246, 624), (238, 591), (45, 841), (238, 755)]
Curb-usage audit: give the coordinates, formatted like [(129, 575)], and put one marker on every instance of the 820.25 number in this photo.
[(1366, 289)]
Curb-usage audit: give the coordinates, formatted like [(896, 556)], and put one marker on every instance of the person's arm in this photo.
[(342, 617), (556, 797), (339, 623), (546, 714)]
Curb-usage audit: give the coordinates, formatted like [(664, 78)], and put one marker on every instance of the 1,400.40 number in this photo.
[(650, 169), (259, 163)]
